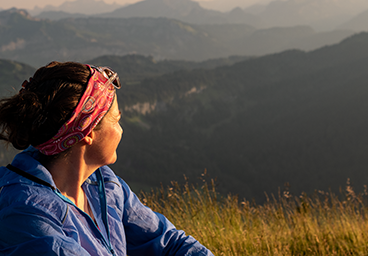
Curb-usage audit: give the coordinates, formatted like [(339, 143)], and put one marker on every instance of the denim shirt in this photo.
[(38, 220)]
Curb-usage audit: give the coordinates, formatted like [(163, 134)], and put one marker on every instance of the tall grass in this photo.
[(321, 224)]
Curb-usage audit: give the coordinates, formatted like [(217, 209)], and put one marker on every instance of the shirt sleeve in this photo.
[(151, 233), (26, 230)]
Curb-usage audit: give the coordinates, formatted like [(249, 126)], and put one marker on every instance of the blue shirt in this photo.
[(38, 220)]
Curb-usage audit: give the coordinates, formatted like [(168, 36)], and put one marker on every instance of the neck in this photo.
[(69, 173)]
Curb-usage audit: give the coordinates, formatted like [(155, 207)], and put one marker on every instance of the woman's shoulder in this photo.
[(17, 195)]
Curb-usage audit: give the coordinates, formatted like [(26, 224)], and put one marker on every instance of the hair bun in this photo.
[(42, 105)]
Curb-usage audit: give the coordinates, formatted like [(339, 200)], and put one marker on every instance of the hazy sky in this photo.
[(30, 4)]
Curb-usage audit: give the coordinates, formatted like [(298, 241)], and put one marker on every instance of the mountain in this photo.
[(320, 14), (7, 16), (135, 68), (37, 42), (59, 15), (358, 23), (12, 74), (183, 10), (224, 6), (265, 41), (255, 9), (87, 7), (292, 117)]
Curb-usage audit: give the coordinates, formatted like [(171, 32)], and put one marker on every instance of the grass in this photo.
[(321, 224)]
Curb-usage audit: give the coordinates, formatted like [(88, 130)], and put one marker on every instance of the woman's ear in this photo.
[(89, 138)]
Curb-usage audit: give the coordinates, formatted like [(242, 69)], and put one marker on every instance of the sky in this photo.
[(30, 4)]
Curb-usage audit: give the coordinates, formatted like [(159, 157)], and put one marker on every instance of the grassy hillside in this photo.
[(319, 224)]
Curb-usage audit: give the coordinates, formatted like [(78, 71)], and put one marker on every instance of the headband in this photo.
[(91, 108)]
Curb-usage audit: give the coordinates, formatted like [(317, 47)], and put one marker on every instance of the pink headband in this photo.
[(91, 108)]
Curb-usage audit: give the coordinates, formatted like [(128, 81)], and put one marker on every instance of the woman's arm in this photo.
[(151, 233)]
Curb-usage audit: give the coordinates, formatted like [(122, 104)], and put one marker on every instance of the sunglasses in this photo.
[(110, 74)]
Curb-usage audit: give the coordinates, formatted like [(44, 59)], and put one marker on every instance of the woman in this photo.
[(58, 197)]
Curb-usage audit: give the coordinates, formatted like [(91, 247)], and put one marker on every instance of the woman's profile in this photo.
[(58, 196)]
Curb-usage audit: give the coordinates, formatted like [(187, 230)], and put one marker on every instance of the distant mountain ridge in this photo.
[(59, 15), (87, 7), (228, 5), (358, 23), (36, 42), (183, 10), (7, 16), (322, 15), (133, 68)]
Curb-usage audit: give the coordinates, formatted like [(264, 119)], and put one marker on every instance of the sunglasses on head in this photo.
[(110, 74)]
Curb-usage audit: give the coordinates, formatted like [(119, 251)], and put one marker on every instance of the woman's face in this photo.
[(108, 136)]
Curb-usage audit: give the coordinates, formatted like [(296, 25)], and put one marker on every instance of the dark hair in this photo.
[(35, 115)]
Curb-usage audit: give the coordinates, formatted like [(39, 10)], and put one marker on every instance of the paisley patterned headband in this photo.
[(91, 108)]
